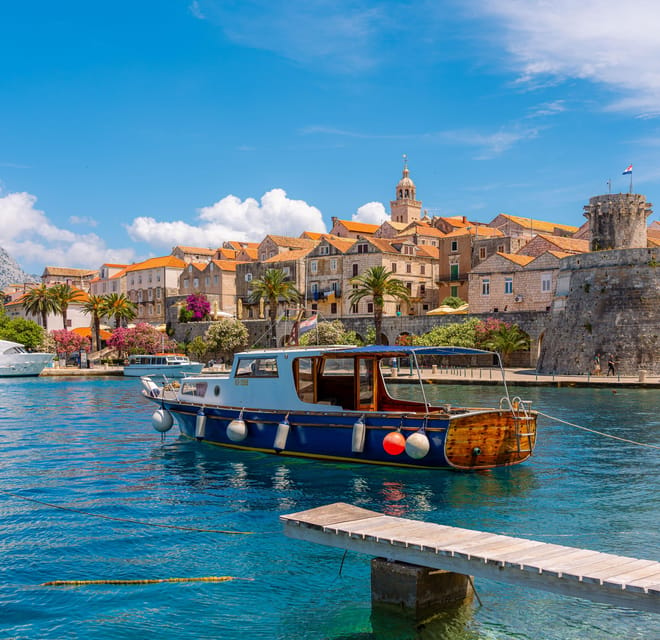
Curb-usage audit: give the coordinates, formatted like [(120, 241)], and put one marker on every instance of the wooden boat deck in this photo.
[(601, 577)]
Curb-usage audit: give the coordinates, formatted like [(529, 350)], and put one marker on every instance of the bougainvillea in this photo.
[(143, 338), (69, 342), (199, 306), (485, 329)]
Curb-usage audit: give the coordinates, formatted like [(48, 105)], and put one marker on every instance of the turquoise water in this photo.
[(88, 444)]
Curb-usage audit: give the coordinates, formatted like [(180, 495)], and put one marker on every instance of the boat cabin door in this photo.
[(365, 376)]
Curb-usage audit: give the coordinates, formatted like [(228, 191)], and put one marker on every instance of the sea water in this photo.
[(72, 450)]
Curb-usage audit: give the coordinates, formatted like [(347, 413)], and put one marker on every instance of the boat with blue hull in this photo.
[(336, 403)]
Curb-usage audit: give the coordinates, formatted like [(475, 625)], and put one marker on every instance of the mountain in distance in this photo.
[(10, 271)]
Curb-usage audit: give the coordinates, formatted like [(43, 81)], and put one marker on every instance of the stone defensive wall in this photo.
[(607, 303)]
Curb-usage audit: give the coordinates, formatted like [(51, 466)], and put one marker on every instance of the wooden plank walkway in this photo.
[(569, 571)]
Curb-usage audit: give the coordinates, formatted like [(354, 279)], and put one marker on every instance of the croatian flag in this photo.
[(628, 170), (307, 325)]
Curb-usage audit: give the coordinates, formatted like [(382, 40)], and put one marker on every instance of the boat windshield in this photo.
[(256, 368)]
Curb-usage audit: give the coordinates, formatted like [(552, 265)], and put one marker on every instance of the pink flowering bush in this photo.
[(199, 306), (69, 342), (485, 330), (143, 338)]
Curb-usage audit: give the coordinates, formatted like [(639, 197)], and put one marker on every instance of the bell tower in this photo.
[(405, 208)]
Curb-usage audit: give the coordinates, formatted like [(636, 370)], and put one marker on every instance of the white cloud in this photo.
[(371, 213), (85, 220), (604, 41), (233, 219), (34, 242)]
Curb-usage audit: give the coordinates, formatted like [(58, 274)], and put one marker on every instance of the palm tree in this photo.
[(64, 295), (119, 307), (40, 301), (377, 283), (273, 286), (506, 340), (95, 307)]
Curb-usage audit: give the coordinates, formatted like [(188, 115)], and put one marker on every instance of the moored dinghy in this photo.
[(333, 403)]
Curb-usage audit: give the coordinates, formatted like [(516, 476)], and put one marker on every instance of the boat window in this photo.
[(304, 376), (366, 382), (15, 350), (257, 368), (338, 367), (197, 389)]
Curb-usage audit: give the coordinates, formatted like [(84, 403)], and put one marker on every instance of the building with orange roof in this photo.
[(514, 282), (405, 207), (542, 242), (193, 254), (352, 229), (149, 285), (75, 316), (111, 279), (79, 278), (324, 282), (216, 280), (516, 226), (272, 245)]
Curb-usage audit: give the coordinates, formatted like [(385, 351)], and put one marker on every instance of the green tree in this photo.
[(377, 283), (25, 332), (39, 301), (272, 287), (198, 348), (453, 301), (456, 334), (64, 295), (329, 333), (226, 337), (506, 340), (119, 307), (95, 307)]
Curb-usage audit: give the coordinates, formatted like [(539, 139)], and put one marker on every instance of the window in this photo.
[(151, 309), (256, 368), (186, 283), (150, 294), (263, 256), (354, 308), (422, 269), (216, 279), (195, 283), (159, 308), (333, 307), (324, 250), (248, 277), (453, 272), (363, 248), (158, 293), (508, 285), (482, 253), (422, 290), (485, 287), (394, 267), (314, 306), (408, 268), (454, 245), (409, 287), (453, 292), (500, 248), (287, 271), (140, 295), (355, 270), (207, 281), (546, 282), (315, 287), (313, 266), (370, 307), (333, 264)]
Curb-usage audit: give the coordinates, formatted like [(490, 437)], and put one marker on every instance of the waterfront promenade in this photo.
[(476, 376)]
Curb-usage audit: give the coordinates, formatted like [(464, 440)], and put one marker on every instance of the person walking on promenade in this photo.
[(597, 365), (610, 365)]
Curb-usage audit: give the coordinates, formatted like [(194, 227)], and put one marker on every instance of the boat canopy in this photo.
[(394, 351)]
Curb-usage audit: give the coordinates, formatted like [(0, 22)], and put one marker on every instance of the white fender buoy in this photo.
[(359, 432), (200, 424), (417, 445), (281, 435), (162, 420), (237, 430)]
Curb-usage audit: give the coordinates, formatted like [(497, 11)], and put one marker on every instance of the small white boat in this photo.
[(15, 360), (170, 365)]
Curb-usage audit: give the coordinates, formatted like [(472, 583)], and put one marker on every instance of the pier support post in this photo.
[(420, 592)]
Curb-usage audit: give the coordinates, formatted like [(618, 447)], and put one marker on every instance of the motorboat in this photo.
[(16, 360), (167, 365), (337, 403)]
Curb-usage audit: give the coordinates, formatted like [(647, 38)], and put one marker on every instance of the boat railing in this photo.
[(523, 421)]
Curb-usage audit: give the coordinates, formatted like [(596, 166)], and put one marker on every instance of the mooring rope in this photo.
[(600, 433), (127, 520), (80, 583)]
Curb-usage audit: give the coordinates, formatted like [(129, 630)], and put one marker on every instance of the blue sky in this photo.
[(129, 127)]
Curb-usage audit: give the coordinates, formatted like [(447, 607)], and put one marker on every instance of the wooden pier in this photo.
[(569, 571)]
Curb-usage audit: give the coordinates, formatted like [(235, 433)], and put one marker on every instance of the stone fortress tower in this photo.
[(607, 302)]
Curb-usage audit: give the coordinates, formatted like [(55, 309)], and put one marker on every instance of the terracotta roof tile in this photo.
[(359, 227), (539, 225), (517, 258), (154, 263)]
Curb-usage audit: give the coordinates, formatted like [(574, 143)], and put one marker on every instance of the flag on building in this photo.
[(628, 170), (307, 325)]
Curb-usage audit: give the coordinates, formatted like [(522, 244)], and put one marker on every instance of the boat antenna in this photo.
[(421, 382)]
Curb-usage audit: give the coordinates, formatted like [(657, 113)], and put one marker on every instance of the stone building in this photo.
[(216, 280), (76, 278), (618, 221), (193, 254), (517, 226), (352, 229), (543, 242), (111, 279)]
